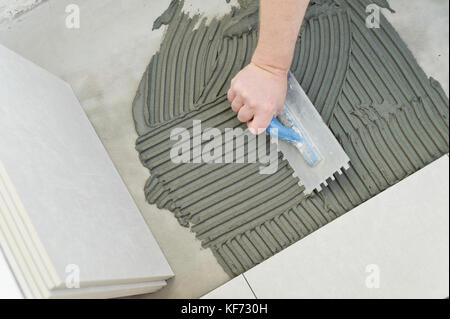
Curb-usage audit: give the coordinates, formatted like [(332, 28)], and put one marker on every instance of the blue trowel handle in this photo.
[(283, 132), (278, 130)]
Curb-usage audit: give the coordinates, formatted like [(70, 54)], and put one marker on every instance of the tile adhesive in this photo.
[(13, 9), (391, 119)]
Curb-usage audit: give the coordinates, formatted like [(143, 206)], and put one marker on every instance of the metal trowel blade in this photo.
[(304, 115)]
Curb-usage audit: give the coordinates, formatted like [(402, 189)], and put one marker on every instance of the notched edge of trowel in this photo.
[(332, 178)]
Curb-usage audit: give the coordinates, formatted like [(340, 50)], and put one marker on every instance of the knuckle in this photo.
[(267, 109), (236, 83)]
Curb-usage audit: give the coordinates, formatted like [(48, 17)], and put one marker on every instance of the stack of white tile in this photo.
[(68, 226), (8, 286)]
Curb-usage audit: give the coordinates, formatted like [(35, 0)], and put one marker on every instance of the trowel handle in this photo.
[(278, 130)]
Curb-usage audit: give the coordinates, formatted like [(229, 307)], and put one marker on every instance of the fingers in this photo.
[(237, 104), (254, 96), (259, 123), (245, 114), (231, 95)]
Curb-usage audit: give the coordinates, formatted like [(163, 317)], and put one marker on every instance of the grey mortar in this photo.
[(391, 119)]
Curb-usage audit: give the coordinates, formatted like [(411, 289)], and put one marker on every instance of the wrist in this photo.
[(270, 63)]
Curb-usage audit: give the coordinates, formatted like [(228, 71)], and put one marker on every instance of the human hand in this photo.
[(258, 94)]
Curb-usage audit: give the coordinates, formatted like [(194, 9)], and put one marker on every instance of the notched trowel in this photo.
[(306, 141)]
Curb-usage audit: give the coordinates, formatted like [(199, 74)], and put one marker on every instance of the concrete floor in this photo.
[(104, 61), (424, 26)]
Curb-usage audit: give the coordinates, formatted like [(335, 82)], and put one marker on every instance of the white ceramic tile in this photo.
[(68, 186), (10, 289), (396, 245), (112, 291), (236, 288), (14, 268), (30, 257), (8, 285)]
